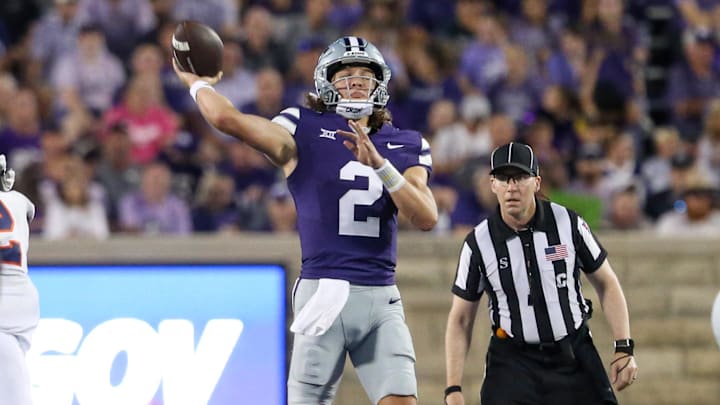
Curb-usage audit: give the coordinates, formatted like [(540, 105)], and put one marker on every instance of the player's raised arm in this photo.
[(262, 134), (197, 60)]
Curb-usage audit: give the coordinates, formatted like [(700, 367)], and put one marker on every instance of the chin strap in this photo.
[(7, 176), (354, 110)]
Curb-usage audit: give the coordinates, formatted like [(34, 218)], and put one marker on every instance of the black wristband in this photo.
[(453, 388), (625, 346)]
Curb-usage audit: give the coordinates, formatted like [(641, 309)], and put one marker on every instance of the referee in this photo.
[(528, 257)]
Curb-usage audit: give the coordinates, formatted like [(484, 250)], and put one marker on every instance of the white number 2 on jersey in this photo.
[(347, 224)]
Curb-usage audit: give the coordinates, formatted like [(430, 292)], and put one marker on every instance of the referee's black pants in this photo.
[(518, 374)]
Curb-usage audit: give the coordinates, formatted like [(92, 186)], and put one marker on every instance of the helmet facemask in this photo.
[(357, 95)]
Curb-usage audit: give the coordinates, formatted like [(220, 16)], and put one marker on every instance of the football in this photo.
[(197, 49)]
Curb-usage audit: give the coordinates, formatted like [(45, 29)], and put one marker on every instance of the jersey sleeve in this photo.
[(416, 154), (288, 119), (469, 281), (587, 247)]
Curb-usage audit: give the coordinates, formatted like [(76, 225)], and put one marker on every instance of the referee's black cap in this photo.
[(516, 155)]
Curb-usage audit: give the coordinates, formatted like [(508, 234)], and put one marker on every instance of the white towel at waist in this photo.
[(319, 313)]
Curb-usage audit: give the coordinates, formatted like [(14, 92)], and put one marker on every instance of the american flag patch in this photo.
[(557, 252)]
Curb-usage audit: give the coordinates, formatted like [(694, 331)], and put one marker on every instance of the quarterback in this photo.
[(350, 172)]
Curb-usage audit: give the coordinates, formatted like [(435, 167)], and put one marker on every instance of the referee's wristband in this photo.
[(625, 346), (199, 84), (453, 388), (390, 176)]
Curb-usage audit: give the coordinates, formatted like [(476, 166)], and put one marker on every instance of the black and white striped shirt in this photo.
[(532, 277)]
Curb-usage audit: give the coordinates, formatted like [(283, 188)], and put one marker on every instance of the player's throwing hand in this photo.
[(189, 78)]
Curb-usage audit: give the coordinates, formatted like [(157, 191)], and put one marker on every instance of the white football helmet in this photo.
[(352, 51)]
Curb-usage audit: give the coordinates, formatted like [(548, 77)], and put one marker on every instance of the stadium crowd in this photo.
[(620, 100)]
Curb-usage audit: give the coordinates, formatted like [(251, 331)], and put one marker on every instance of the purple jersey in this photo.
[(347, 221)]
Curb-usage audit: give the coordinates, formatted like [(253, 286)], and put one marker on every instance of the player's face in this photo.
[(515, 191), (354, 82)]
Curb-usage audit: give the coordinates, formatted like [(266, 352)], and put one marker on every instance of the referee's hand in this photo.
[(455, 398), (623, 371)]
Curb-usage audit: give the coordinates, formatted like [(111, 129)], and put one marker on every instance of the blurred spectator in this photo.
[(708, 147), (614, 37), (180, 157), (433, 17), (626, 211), (270, 90), (75, 212), (502, 130), (146, 58), (621, 166), (151, 124), (20, 136), (247, 167), (221, 15), (115, 171), (345, 13), (567, 64), (555, 185), (45, 173), (467, 13), (655, 170), (697, 217), (446, 200), (442, 114), (483, 63), (475, 204), (281, 209), (699, 14), (539, 135), (87, 79), (238, 84), (300, 79), (260, 47), (682, 167), (693, 83), (454, 145), (215, 208), (429, 81), (314, 22), (8, 88), (560, 105), (589, 170), (154, 209), (531, 30), (163, 11), (54, 35), (518, 93), (124, 22)]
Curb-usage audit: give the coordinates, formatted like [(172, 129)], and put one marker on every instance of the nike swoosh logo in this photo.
[(393, 146), (394, 300)]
